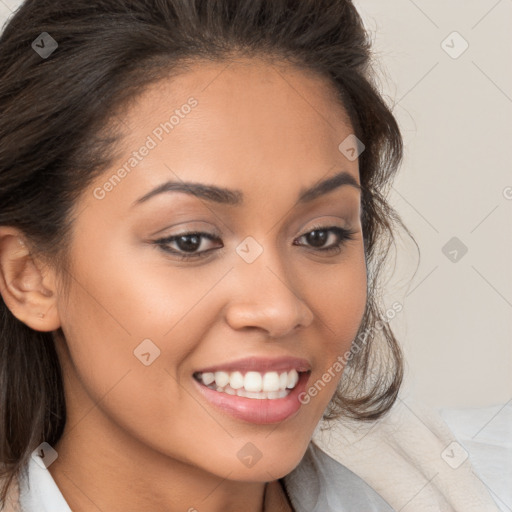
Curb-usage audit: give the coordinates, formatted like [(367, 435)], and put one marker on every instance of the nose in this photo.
[(266, 299)]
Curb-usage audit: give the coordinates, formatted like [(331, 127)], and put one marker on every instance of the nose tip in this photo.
[(271, 304), (278, 321)]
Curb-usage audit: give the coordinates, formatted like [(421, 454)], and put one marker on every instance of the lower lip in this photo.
[(254, 410)]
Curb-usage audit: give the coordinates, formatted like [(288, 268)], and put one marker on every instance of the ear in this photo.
[(27, 290)]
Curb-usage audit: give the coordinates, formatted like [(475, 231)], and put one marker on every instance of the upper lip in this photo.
[(260, 364)]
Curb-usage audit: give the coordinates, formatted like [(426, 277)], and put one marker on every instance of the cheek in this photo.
[(111, 309), (105, 321), (123, 295), (340, 301), (339, 296)]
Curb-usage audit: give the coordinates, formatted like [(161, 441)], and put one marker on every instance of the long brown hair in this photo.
[(56, 136)]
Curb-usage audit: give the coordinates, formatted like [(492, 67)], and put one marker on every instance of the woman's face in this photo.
[(258, 298)]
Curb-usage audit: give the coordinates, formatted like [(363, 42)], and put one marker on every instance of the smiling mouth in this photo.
[(251, 384)]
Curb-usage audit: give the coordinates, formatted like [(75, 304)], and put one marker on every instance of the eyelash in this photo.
[(343, 234)]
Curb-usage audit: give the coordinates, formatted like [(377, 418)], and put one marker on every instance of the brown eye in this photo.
[(318, 237), (187, 244)]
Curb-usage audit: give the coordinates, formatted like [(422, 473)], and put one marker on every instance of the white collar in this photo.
[(38, 490)]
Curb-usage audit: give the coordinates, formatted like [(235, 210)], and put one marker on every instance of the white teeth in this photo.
[(253, 394), (270, 381), (236, 381), (208, 378), (271, 385), (293, 378), (221, 378), (253, 381)]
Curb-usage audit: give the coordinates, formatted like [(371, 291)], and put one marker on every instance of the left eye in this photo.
[(188, 243), (319, 235)]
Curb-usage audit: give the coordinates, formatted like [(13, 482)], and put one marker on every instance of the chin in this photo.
[(258, 467)]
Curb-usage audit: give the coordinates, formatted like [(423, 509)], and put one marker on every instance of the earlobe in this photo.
[(27, 291)]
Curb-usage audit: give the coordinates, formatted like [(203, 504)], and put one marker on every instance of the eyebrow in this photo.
[(234, 197)]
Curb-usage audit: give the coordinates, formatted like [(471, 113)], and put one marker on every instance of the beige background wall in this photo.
[(455, 111)]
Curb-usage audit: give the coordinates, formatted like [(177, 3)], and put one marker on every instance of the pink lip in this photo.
[(253, 410), (261, 364)]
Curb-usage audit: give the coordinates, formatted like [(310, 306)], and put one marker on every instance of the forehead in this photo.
[(250, 85), (248, 124)]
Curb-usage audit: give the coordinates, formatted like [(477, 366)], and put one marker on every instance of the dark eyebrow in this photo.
[(234, 197), (328, 185)]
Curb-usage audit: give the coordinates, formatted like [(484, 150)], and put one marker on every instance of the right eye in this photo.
[(187, 244)]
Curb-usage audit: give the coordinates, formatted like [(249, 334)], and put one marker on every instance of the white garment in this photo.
[(411, 458), (39, 492), (321, 484)]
